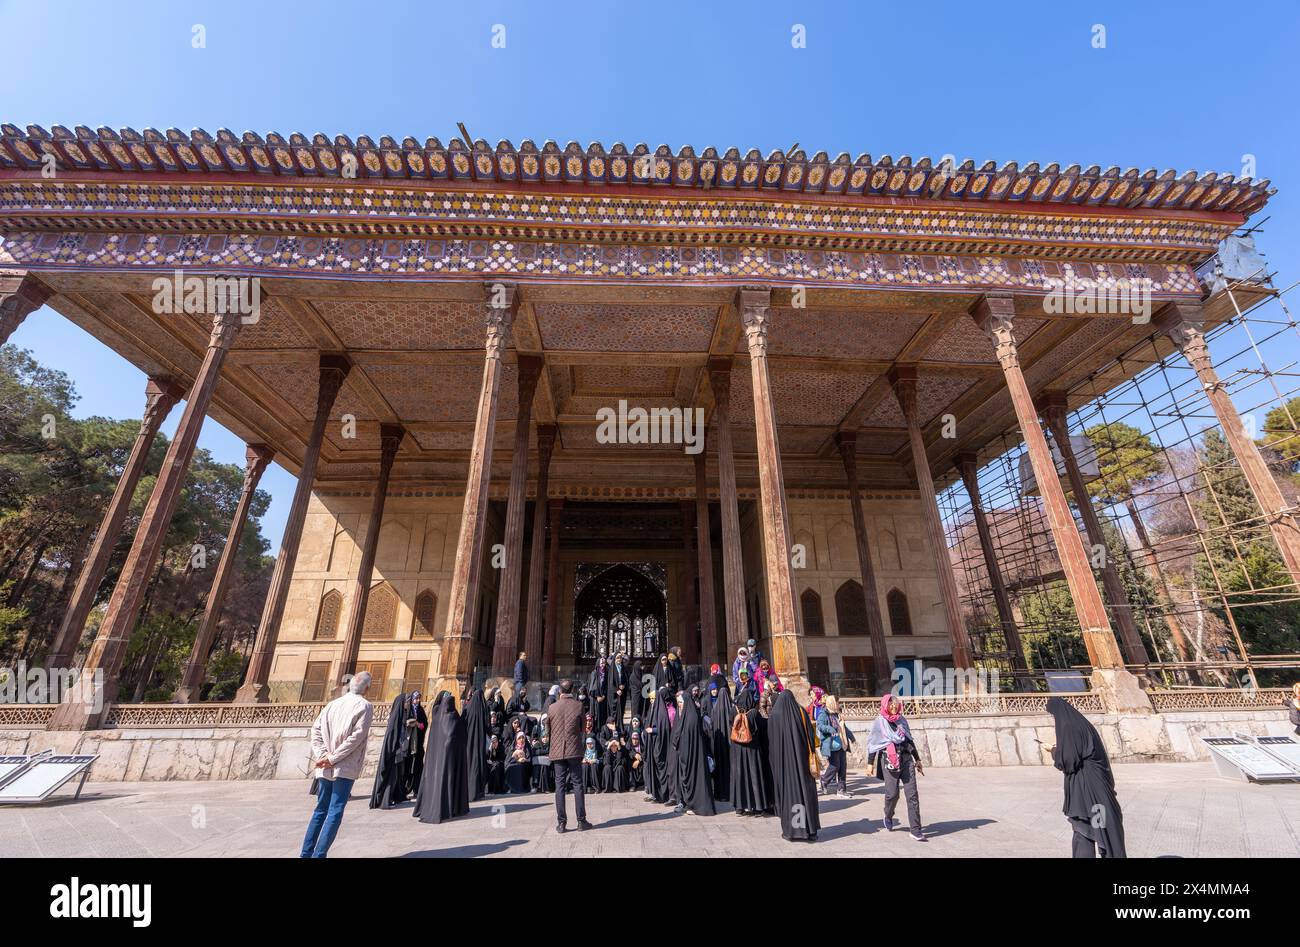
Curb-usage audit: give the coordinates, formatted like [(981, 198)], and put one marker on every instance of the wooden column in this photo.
[(1184, 323), (733, 563), (968, 467), (995, 315), (160, 395), (535, 625), (1053, 409), (690, 609), (333, 370), (903, 380), (20, 296), (256, 457), (82, 710), (1152, 566), (506, 641), (710, 644), (787, 641), (555, 516), (458, 644), (390, 439), (847, 441)]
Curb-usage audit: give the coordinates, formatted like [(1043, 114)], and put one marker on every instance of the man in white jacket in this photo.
[(338, 747)]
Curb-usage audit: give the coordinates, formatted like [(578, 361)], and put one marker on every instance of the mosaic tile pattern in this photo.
[(399, 324), (442, 392), (599, 328), (298, 385), (840, 333), (801, 397)]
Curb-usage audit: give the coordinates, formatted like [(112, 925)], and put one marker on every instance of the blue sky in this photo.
[(1183, 85)]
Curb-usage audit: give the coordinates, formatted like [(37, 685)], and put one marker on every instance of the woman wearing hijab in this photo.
[(543, 778), (637, 695), (694, 791), (833, 745), (476, 718), (1090, 801), (619, 683), (748, 787), (496, 704), (518, 709), (417, 723), (658, 733), (496, 766), (596, 688), (815, 705), (551, 695), (897, 762), (390, 781), (591, 764), (790, 749), (636, 761), (519, 766), (614, 775), (718, 716), (765, 677), (610, 731), (444, 788), (663, 674)]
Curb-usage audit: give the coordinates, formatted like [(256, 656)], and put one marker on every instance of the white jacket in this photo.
[(340, 733)]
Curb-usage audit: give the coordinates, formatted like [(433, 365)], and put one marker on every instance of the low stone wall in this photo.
[(1009, 740), (265, 752)]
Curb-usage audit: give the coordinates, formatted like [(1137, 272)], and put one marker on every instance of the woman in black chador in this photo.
[(519, 766), (496, 766), (694, 792), (637, 690), (476, 718), (614, 776), (1090, 801), (789, 744), (718, 714), (390, 781), (748, 758), (444, 788), (417, 725), (658, 734)]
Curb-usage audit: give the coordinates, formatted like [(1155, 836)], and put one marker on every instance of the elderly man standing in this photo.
[(564, 720), (338, 746)]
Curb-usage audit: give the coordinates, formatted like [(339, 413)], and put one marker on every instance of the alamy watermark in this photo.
[(24, 685), (208, 295), (919, 681), (1082, 296), (675, 425)]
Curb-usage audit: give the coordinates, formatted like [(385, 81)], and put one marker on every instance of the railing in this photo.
[(1208, 698), (975, 705)]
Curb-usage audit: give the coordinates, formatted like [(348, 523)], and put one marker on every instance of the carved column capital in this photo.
[(499, 315), (334, 369), (546, 434), (1053, 408), (225, 326), (755, 315), (1184, 324), (967, 464), (847, 444), (20, 296), (529, 368), (160, 396), (390, 439), (720, 382), (995, 314), (902, 379), (256, 458)]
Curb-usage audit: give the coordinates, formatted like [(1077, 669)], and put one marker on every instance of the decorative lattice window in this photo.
[(851, 608), (426, 608), (327, 619), (381, 613), (900, 620), (811, 605)]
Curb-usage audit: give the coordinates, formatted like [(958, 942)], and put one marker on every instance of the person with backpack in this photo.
[(833, 742), (749, 783)]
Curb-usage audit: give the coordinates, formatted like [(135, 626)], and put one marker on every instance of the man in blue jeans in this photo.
[(338, 745)]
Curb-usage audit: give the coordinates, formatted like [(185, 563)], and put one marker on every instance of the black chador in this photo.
[(390, 776), (1090, 801), (748, 788), (718, 712), (615, 775), (659, 778), (519, 766), (444, 789), (417, 725), (694, 792), (496, 766), (789, 743), (596, 687), (637, 694), (543, 779), (476, 718), (618, 684), (636, 761)]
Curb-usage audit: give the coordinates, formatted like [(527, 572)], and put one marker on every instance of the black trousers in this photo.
[(906, 782), (568, 776), (836, 772)]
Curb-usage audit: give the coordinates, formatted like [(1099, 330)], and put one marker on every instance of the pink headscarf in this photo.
[(891, 751)]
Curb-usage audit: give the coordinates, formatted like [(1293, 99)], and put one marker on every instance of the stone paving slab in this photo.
[(1170, 809)]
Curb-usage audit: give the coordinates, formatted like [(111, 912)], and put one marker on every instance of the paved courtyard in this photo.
[(1170, 809)]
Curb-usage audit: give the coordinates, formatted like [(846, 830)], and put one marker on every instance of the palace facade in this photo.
[(438, 329)]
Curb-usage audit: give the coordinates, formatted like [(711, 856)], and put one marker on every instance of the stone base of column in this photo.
[(77, 715), (253, 694), (186, 694), (799, 685), (1120, 691)]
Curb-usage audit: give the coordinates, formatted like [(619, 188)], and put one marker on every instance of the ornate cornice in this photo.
[(127, 151)]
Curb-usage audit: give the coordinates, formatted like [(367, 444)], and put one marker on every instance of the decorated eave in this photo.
[(198, 152)]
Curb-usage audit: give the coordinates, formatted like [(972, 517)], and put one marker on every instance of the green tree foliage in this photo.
[(57, 475), (1127, 459), (1245, 558), (1281, 436)]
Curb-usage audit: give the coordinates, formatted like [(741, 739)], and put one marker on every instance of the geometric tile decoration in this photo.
[(840, 333), (801, 396), (442, 392), (645, 328), (402, 324)]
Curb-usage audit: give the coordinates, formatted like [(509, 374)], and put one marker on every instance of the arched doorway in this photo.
[(620, 608)]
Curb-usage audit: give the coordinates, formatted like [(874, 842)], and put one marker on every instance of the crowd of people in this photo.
[(741, 740)]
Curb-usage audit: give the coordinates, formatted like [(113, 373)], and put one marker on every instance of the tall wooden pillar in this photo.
[(903, 380), (1053, 409), (390, 439), (333, 370), (458, 643), (1184, 324), (733, 564), (20, 296), (995, 315), (690, 608), (535, 634), (787, 641), (160, 396), (505, 643), (847, 441), (968, 467), (555, 516), (710, 643), (256, 457), (82, 710)]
